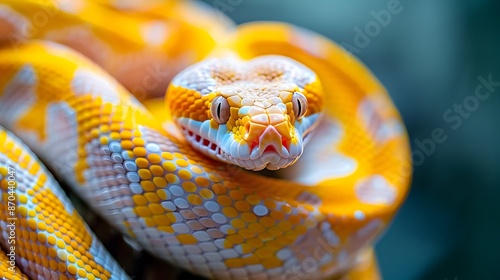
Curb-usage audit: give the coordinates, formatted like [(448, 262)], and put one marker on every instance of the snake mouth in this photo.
[(270, 149), (269, 157)]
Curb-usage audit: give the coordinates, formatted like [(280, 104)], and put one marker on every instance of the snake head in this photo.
[(255, 114)]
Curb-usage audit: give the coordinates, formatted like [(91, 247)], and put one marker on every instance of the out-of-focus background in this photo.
[(429, 55)]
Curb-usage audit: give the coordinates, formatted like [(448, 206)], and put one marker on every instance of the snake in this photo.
[(275, 153)]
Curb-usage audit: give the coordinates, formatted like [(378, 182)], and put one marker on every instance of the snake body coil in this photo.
[(172, 184)]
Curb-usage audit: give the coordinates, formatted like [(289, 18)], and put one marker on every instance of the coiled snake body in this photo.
[(270, 96)]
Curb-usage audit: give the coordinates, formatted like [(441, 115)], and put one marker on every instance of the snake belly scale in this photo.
[(272, 96)]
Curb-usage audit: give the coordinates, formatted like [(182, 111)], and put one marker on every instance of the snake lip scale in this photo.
[(267, 155)]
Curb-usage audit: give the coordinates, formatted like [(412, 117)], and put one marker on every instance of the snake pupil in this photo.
[(299, 104), (220, 110), (300, 108)]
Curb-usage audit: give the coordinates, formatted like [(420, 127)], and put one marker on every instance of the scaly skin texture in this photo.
[(137, 170), (142, 46), (41, 231)]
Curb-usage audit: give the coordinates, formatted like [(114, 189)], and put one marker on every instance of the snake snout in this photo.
[(269, 141)]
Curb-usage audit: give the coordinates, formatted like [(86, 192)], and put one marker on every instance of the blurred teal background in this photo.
[(429, 57)]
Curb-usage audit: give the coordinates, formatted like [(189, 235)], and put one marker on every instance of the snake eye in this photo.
[(299, 104), (220, 110)]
